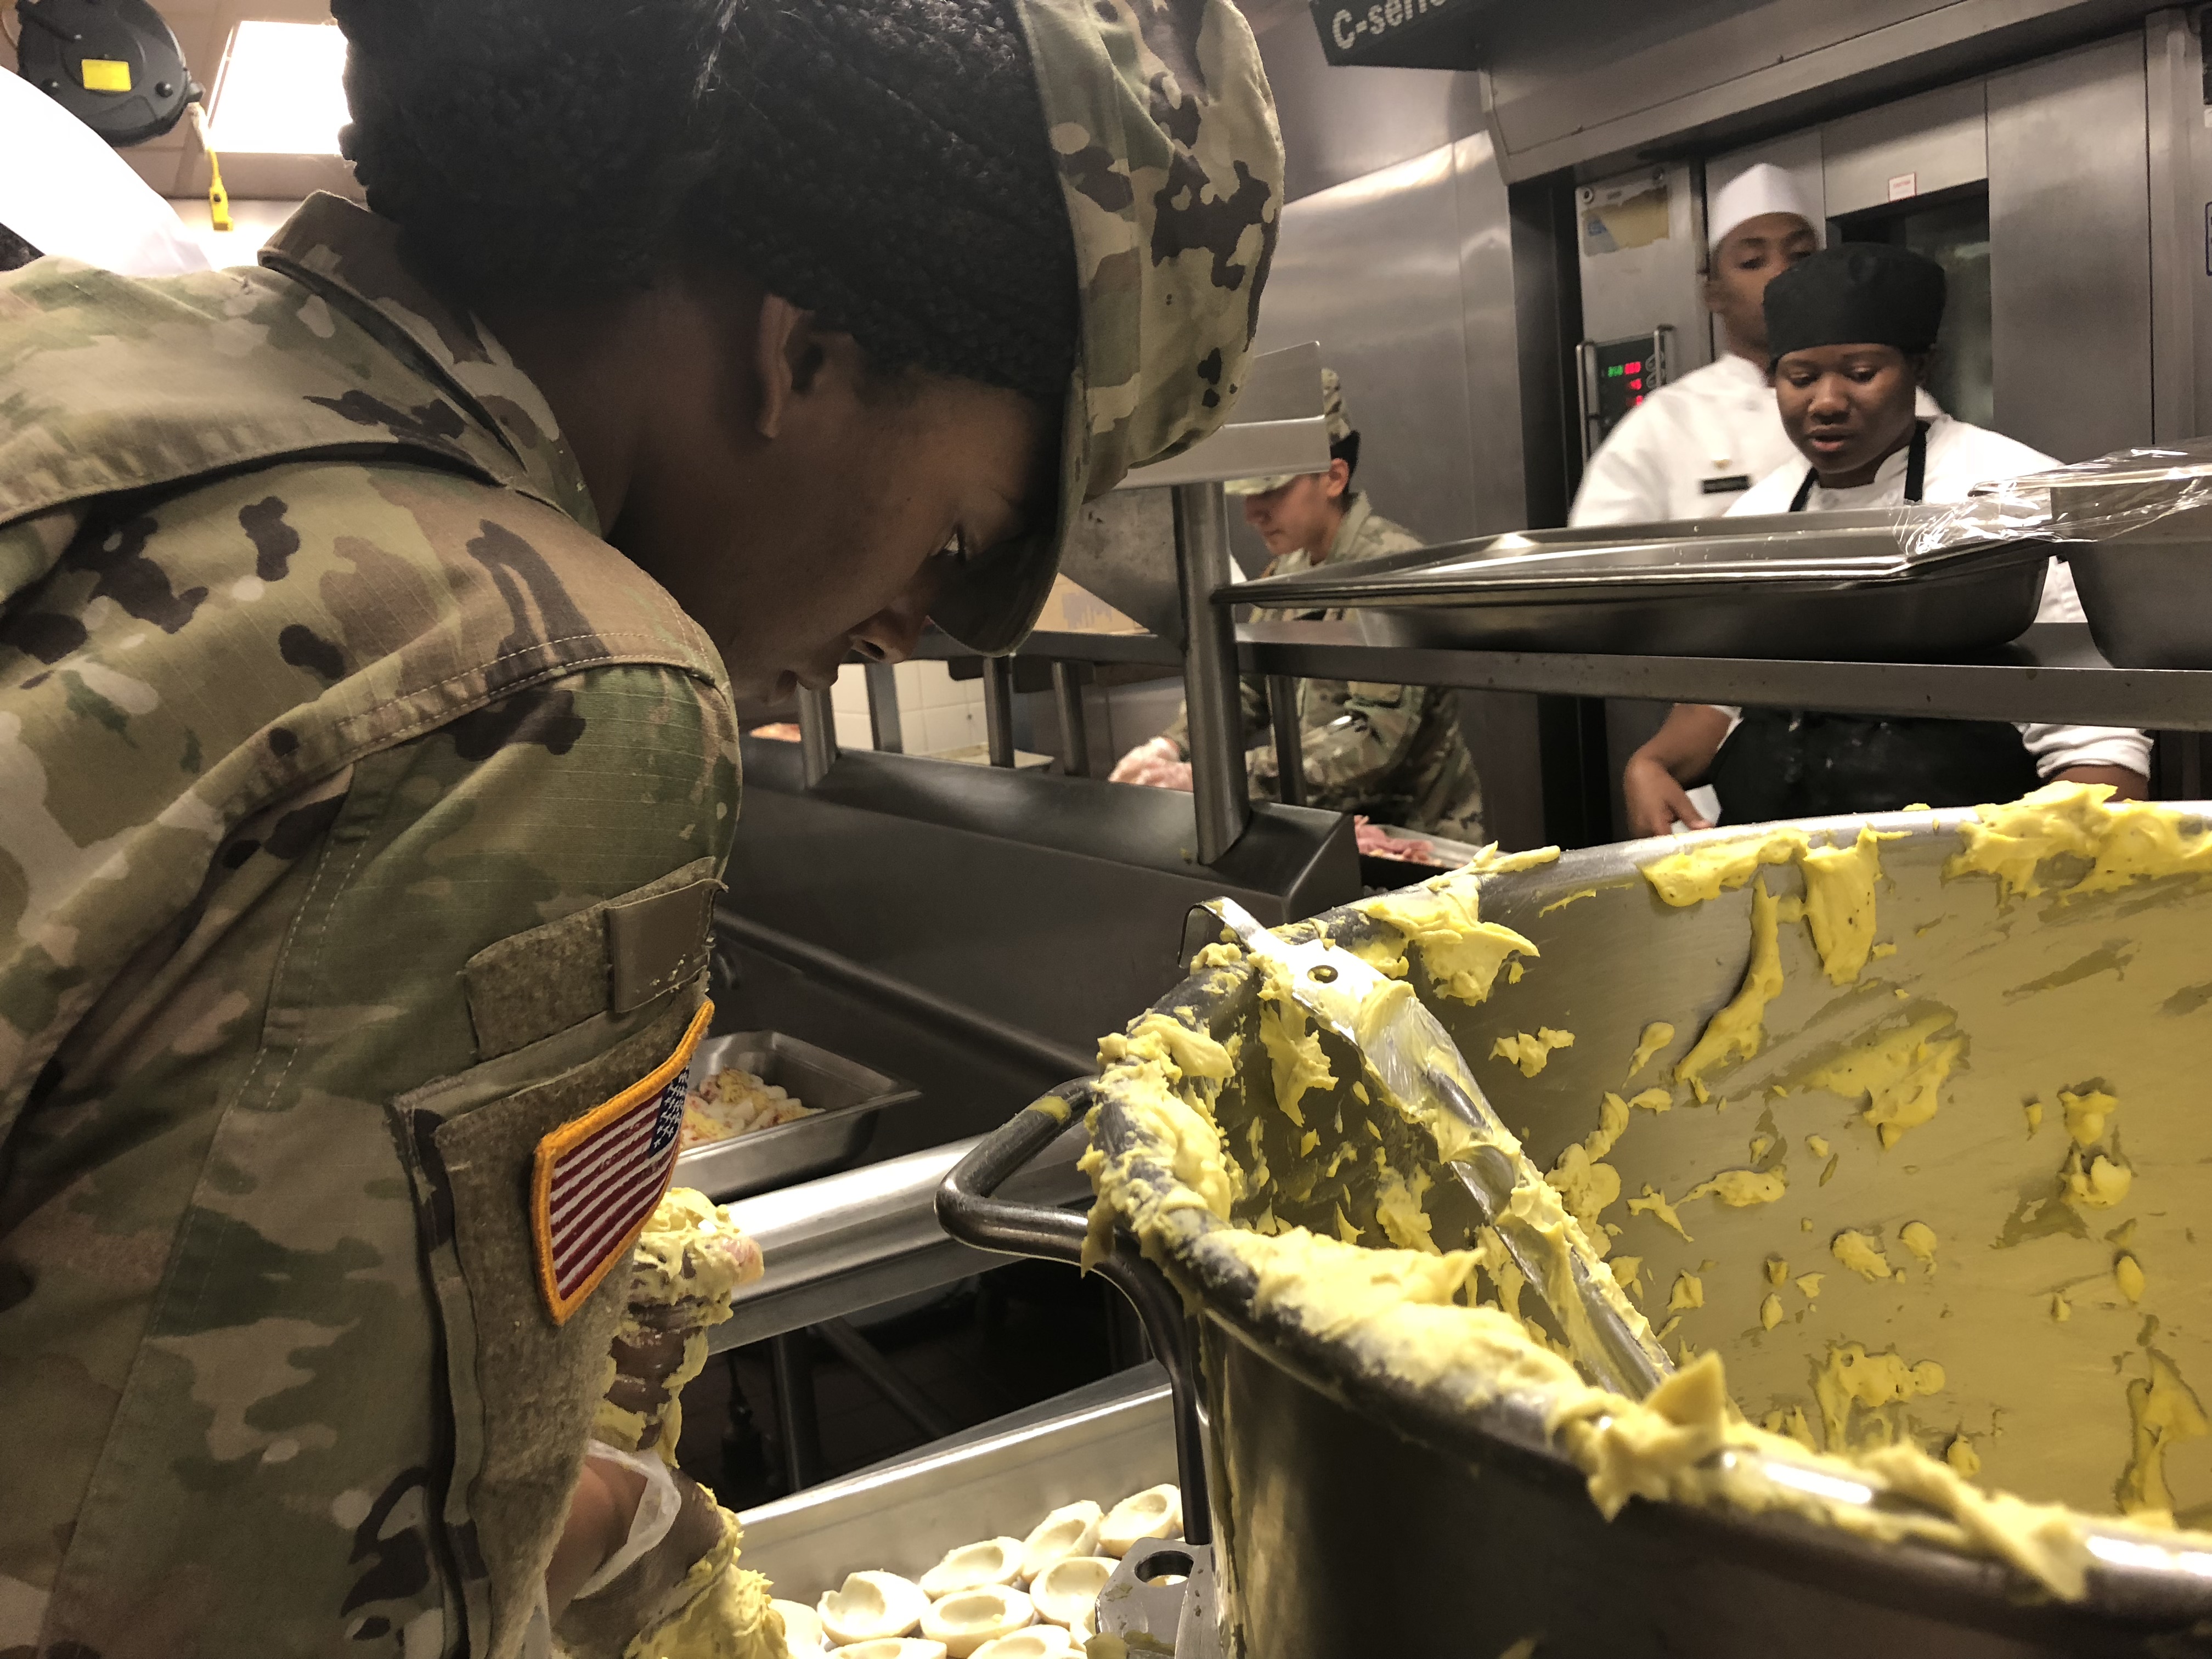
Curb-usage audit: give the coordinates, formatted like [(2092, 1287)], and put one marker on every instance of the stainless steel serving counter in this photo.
[(2052, 672)]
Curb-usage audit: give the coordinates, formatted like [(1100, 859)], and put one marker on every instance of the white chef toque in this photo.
[(1763, 188)]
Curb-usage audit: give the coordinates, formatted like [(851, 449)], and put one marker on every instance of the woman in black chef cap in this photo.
[(1851, 331)]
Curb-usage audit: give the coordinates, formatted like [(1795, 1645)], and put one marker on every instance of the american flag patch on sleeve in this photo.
[(600, 1177)]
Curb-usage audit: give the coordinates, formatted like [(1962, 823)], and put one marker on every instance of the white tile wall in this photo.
[(936, 712), (848, 699)]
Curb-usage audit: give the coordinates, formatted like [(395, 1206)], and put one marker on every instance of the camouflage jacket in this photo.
[(1392, 752), (360, 812)]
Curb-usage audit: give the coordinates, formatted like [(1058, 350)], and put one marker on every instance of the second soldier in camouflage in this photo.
[(1393, 754)]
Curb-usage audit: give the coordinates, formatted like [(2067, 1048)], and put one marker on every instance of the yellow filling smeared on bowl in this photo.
[(2030, 1308)]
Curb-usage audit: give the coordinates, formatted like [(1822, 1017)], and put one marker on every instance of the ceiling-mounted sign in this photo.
[(1399, 33)]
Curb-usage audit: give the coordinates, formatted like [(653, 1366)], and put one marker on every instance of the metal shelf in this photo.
[(2052, 672)]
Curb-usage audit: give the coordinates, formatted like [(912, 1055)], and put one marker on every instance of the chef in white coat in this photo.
[(1852, 330), (65, 191), (1693, 448)]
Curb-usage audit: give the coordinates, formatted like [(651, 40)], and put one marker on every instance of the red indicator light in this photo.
[(1636, 386), (1636, 368)]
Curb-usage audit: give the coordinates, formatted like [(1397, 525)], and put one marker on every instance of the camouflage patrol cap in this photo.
[(1163, 130), (1339, 428)]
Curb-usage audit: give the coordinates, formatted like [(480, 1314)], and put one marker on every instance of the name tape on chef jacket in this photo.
[(600, 1177)]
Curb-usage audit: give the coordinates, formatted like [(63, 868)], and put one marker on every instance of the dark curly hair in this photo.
[(881, 162), (15, 252)]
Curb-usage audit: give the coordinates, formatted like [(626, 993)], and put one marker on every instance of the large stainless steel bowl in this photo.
[(1357, 1513)]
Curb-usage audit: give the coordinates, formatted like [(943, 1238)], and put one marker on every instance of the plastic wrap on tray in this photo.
[(2123, 494)]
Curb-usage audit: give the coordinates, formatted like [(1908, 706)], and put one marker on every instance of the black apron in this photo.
[(1794, 763)]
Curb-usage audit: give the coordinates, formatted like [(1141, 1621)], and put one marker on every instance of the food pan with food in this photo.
[(816, 1112)]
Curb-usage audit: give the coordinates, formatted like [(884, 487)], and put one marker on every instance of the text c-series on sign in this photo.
[(1347, 26)]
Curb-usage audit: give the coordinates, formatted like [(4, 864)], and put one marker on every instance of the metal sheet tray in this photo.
[(850, 1098), (1102, 1442), (1830, 586)]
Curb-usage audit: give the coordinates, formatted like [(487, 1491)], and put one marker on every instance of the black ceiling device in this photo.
[(112, 64)]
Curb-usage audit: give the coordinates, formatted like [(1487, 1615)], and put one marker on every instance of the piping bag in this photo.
[(1408, 1054)]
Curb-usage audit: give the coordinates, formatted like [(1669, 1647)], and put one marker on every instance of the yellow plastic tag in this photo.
[(105, 75), (600, 1176)]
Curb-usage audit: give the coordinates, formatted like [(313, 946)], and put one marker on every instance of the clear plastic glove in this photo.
[(1147, 760), (657, 1506)]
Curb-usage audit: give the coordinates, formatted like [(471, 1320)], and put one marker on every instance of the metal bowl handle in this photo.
[(971, 1213)]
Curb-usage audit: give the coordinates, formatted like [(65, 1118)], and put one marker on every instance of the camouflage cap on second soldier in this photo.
[(1339, 428), (1160, 118)]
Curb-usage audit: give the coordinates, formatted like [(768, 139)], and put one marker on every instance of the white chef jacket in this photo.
[(1680, 453), (1692, 448), (65, 191), (1961, 456)]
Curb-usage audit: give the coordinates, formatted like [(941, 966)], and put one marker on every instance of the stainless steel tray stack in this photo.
[(1911, 583), (2137, 529), (849, 1098)]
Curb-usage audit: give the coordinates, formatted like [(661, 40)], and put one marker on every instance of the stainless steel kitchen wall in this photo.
[(1396, 255), (2069, 251), (1377, 271), (1603, 83)]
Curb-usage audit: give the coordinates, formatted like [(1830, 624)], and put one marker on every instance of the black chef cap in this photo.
[(1855, 293)]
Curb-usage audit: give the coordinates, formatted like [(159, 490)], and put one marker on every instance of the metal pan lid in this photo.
[(1793, 552)]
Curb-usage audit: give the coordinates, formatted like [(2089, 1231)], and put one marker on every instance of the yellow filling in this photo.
[(1736, 1029), (1654, 1202), (1407, 1308), (1530, 1052), (1919, 1239), (1861, 1253), (1839, 903), (1854, 1377), (2097, 1185), (2128, 1274), (2125, 842), (1705, 873), (1442, 917), (1656, 1035), (1741, 1188), (1294, 1052), (2162, 1412), (1900, 1076), (2086, 1115)]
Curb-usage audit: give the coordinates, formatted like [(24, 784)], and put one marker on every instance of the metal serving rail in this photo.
[(2052, 672), (846, 1242)]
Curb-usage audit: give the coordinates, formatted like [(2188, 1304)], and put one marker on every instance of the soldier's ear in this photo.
[(1339, 478), (794, 357)]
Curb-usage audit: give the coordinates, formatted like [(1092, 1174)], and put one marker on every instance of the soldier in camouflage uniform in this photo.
[(367, 759), (1390, 753)]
